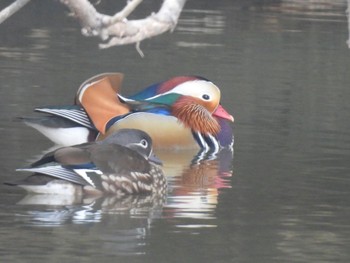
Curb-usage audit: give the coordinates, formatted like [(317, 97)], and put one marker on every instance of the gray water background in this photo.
[(283, 69)]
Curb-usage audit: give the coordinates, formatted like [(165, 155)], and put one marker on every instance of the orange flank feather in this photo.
[(194, 115), (100, 101)]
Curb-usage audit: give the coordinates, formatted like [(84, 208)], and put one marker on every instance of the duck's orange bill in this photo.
[(101, 103), (222, 113)]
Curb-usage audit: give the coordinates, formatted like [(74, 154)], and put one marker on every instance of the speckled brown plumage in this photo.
[(120, 165)]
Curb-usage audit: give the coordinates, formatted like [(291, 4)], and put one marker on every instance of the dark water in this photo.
[(283, 69)]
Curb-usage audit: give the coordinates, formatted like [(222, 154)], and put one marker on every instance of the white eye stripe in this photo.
[(195, 88), (143, 143), (202, 88)]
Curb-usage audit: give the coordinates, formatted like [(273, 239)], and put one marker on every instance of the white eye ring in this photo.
[(144, 143)]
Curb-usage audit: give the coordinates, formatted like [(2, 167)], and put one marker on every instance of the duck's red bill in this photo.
[(222, 113)]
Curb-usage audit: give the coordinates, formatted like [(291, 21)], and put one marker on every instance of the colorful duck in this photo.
[(183, 112), (119, 165)]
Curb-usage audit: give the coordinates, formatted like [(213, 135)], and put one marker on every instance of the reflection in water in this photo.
[(195, 188), (317, 10), (200, 23), (302, 243), (282, 67), (194, 183), (80, 210), (125, 222), (315, 7), (38, 42)]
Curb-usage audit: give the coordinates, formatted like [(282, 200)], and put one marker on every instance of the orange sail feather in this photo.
[(100, 100)]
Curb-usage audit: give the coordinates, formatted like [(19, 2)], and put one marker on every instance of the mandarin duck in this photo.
[(121, 164), (183, 112)]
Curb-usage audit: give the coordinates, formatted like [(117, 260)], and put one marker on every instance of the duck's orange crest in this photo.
[(193, 115)]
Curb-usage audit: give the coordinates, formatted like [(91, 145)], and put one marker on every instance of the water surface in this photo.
[(283, 195)]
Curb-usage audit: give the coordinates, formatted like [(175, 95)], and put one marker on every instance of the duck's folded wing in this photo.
[(74, 156), (74, 113), (117, 159), (58, 172), (66, 156)]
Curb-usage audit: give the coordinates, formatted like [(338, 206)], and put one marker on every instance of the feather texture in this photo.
[(193, 115), (121, 164)]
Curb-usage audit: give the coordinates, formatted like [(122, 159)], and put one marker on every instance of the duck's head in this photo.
[(135, 140), (203, 91), (194, 101)]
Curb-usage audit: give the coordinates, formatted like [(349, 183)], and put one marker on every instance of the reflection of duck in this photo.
[(100, 204), (121, 164), (183, 112), (127, 229), (210, 173), (195, 189)]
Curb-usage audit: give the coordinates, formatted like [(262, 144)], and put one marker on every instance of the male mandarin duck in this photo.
[(183, 112), (121, 164)]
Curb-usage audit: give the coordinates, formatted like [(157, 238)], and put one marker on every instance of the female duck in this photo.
[(121, 164)]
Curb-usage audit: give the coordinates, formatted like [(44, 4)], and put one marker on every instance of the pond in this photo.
[(281, 195)]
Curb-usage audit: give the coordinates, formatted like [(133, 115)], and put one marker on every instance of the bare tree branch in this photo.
[(120, 16), (91, 21), (135, 31), (118, 29), (11, 9)]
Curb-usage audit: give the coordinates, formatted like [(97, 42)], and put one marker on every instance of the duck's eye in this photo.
[(206, 97), (144, 143)]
